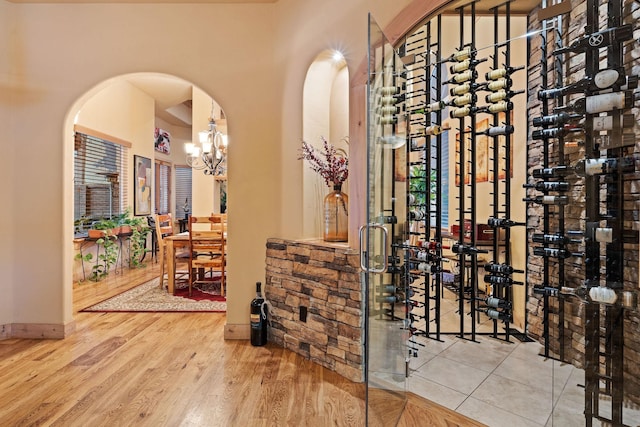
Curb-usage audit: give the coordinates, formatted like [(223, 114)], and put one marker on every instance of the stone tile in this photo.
[(546, 375), (435, 392), (486, 354), (456, 376), (492, 416), (515, 397)]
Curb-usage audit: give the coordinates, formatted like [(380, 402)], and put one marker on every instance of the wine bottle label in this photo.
[(460, 90), (389, 100), (463, 77), (604, 235), (463, 54), (460, 66), (499, 84), (435, 106), (463, 100), (387, 120), (605, 102), (496, 96), (501, 130), (460, 112), (594, 166), (603, 295), (433, 130), (388, 109), (500, 107), (605, 78), (496, 74), (602, 123), (548, 200), (389, 90)]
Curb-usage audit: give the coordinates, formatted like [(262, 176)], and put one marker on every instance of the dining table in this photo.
[(174, 242)]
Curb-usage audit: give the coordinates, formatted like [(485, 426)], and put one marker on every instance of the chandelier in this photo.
[(211, 155)]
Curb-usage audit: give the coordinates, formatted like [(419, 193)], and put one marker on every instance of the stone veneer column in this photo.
[(324, 280)]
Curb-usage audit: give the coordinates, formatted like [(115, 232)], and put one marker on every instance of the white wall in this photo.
[(251, 58)]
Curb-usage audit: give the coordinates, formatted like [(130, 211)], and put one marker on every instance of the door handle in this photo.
[(385, 250)]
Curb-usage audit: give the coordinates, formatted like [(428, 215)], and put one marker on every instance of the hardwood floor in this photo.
[(170, 369)]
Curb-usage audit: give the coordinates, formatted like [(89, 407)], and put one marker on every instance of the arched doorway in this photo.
[(133, 110)]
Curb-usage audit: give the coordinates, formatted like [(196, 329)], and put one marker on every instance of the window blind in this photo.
[(183, 189), (163, 186), (100, 178)]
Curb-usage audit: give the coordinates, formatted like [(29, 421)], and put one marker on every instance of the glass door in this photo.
[(381, 238)]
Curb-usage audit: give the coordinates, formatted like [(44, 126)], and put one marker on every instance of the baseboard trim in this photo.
[(5, 331), (237, 332), (41, 330)]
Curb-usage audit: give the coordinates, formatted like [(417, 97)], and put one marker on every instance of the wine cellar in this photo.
[(463, 240)]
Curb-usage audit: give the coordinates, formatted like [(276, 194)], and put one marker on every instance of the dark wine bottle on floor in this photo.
[(258, 318)]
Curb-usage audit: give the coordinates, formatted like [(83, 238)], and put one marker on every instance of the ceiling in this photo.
[(172, 96)]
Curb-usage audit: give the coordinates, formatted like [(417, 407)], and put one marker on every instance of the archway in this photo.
[(131, 108)]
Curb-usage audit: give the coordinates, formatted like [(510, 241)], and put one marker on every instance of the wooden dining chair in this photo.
[(164, 228), (207, 259)]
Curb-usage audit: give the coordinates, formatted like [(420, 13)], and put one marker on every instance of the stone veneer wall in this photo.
[(574, 26), (324, 279)]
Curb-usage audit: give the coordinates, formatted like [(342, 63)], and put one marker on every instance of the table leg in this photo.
[(171, 266)]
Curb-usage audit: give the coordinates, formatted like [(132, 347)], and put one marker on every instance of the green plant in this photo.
[(418, 185), (139, 231)]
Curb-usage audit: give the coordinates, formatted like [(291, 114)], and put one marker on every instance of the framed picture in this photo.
[(142, 191), (162, 141)]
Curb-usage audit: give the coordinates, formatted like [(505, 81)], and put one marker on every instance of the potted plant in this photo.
[(103, 232)]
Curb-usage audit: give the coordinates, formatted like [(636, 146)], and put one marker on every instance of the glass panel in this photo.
[(386, 297)]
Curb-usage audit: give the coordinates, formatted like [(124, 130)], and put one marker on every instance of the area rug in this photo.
[(148, 297)]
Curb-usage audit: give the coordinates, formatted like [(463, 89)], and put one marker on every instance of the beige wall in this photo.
[(250, 58)]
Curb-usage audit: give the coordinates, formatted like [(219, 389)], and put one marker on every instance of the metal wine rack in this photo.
[(604, 209)]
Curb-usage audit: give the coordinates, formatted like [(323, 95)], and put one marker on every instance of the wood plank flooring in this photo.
[(174, 369)]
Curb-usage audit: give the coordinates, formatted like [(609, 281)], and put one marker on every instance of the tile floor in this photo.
[(501, 383)]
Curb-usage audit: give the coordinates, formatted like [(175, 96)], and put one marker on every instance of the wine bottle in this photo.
[(502, 95), (387, 120), (600, 103), (428, 267), (590, 167), (498, 315), (555, 119), (465, 88), (431, 130), (556, 239), (503, 223), (492, 108), (461, 100), (392, 99), (430, 108), (598, 39), (602, 294), (496, 85), (391, 90), (387, 289), (416, 214), (462, 77), (493, 267), (465, 65), (426, 256), (545, 290), (601, 80), (497, 130), (555, 253), (461, 55), (501, 280), (549, 186), (494, 302), (467, 249), (548, 200), (390, 299), (258, 318), (553, 172), (386, 110), (555, 132), (502, 72)]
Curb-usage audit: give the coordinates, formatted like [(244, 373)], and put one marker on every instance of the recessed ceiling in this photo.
[(172, 96)]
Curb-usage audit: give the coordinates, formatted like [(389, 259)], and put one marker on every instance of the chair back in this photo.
[(208, 238), (164, 227)]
